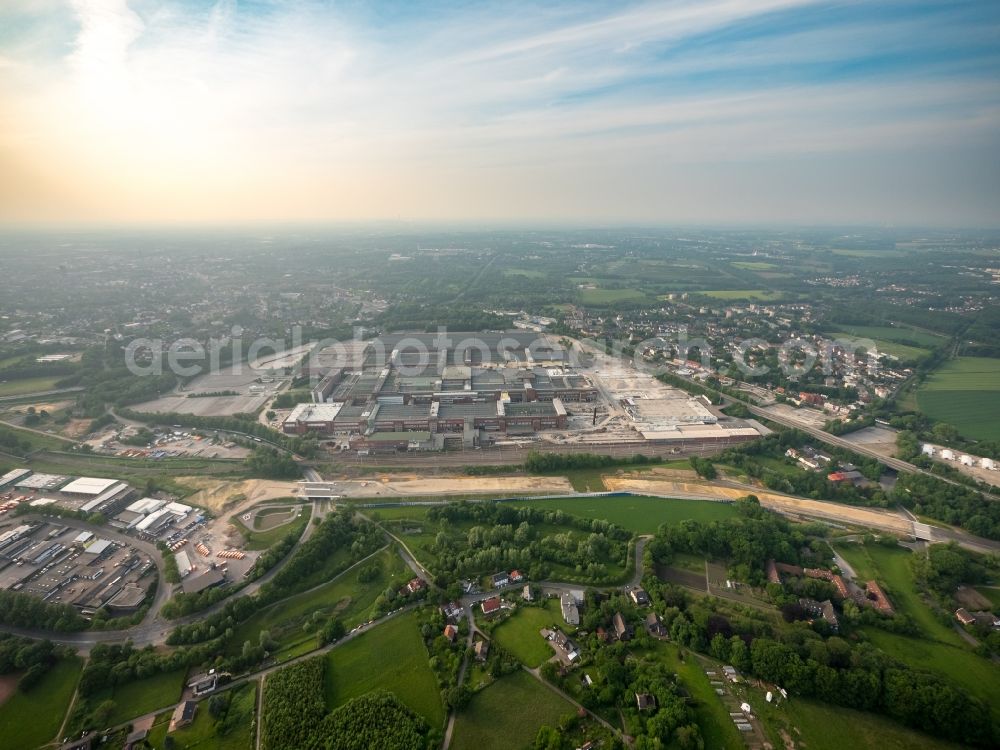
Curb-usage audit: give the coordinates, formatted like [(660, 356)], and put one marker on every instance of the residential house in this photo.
[(452, 611), (500, 580), (490, 606), (516, 576), (964, 616), (415, 585), (645, 701), (183, 715), (569, 609), (654, 626), (450, 632), (623, 631), (481, 650), (640, 597)]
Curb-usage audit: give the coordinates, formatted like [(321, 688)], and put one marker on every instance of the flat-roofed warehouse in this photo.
[(41, 482), (315, 417)]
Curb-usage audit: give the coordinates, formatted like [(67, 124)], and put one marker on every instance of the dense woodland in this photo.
[(505, 536), (295, 717)]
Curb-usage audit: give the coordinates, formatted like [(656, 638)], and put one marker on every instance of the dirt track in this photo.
[(879, 519)]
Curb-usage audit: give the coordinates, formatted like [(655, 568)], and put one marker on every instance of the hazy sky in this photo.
[(774, 111)]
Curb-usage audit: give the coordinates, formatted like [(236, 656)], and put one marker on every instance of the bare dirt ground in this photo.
[(882, 440), (813, 508), (216, 496), (970, 598), (8, 684), (415, 485), (658, 472)]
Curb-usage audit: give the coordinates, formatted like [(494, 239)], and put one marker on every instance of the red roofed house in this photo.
[(450, 632), (963, 616), (491, 605), (416, 585), (516, 576), (876, 595)]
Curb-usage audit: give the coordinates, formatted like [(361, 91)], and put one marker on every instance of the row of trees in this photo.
[(544, 463), (26, 611)]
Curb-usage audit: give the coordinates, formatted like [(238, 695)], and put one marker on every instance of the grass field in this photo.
[(810, 724), (264, 539), (609, 296), (508, 714), (891, 566), (519, 633), (990, 593), (587, 480), (941, 649), (28, 720), (643, 515), (28, 385), (902, 351), (898, 334), (965, 392), (351, 600), (754, 265), (528, 273), (142, 696), (392, 657), (717, 728)]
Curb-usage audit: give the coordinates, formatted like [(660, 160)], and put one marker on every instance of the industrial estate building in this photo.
[(431, 392), (418, 391)]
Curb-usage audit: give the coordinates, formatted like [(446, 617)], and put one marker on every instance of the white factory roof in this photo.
[(96, 548), (13, 475), (314, 412), (178, 509), (183, 563), (146, 505), (89, 486), (41, 481), (41, 502), (151, 519), (84, 536)]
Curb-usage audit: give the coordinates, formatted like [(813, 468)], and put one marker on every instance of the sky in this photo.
[(710, 112)]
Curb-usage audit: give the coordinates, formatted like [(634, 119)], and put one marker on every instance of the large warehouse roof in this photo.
[(88, 486)]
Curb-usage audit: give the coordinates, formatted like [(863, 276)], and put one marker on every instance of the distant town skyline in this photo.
[(765, 112)]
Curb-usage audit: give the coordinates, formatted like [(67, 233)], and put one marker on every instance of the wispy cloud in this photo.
[(144, 109)]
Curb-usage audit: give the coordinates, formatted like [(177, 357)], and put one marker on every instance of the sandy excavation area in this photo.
[(215, 495), (813, 508), (415, 485)]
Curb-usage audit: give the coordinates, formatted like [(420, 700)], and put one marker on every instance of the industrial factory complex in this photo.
[(431, 392)]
